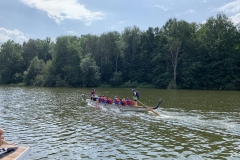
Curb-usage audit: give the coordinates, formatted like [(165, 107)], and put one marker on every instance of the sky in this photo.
[(21, 20)]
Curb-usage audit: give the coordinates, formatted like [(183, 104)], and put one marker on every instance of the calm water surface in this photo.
[(56, 124)]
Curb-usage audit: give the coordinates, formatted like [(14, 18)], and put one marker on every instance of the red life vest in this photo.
[(129, 102), (116, 100), (109, 101), (104, 99), (124, 103), (101, 99)]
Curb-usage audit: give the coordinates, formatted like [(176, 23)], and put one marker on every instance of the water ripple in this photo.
[(56, 124)]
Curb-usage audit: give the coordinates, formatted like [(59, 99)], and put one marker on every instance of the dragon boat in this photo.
[(94, 103)]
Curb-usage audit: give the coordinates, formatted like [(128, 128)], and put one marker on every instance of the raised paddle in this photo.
[(150, 109)]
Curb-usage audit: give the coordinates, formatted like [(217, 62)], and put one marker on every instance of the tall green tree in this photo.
[(29, 52), (89, 44), (90, 72), (44, 49), (131, 38), (219, 38), (48, 72), (161, 67), (116, 80), (35, 69), (177, 34), (146, 54), (66, 60), (109, 55), (11, 62)]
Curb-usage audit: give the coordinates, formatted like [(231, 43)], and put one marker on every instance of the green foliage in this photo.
[(145, 85), (172, 85), (162, 80), (177, 55), (29, 52), (66, 60), (11, 62), (130, 38), (130, 84), (60, 82), (48, 74), (90, 72), (117, 79), (107, 57), (18, 77), (35, 68)]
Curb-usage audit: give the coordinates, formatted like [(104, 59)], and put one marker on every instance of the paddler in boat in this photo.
[(129, 102), (99, 100), (123, 102), (109, 100), (104, 99), (116, 100)]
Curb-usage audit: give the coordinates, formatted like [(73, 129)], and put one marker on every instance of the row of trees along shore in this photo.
[(178, 55)]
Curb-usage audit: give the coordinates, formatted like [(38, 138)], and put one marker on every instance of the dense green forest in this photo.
[(178, 55)]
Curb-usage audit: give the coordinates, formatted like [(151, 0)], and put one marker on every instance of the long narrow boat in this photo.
[(95, 103)]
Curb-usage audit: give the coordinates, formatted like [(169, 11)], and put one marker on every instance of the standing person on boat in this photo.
[(135, 97), (92, 93)]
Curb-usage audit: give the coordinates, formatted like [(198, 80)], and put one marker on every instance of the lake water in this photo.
[(56, 124)]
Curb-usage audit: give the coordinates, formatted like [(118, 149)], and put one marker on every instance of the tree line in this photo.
[(177, 55)]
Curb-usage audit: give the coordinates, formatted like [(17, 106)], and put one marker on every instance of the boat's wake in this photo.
[(208, 122)]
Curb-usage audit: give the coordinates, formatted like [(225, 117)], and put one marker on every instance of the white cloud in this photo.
[(162, 7), (71, 32), (111, 27), (235, 18), (232, 8), (15, 35), (190, 11), (178, 14), (121, 22), (186, 12), (60, 10)]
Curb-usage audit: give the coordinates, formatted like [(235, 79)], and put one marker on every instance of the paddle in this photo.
[(104, 105), (150, 109)]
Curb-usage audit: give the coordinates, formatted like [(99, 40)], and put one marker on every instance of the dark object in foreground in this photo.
[(6, 151)]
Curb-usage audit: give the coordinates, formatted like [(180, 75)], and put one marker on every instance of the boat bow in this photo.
[(159, 102)]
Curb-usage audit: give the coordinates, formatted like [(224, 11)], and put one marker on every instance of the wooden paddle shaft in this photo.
[(156, 113)]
